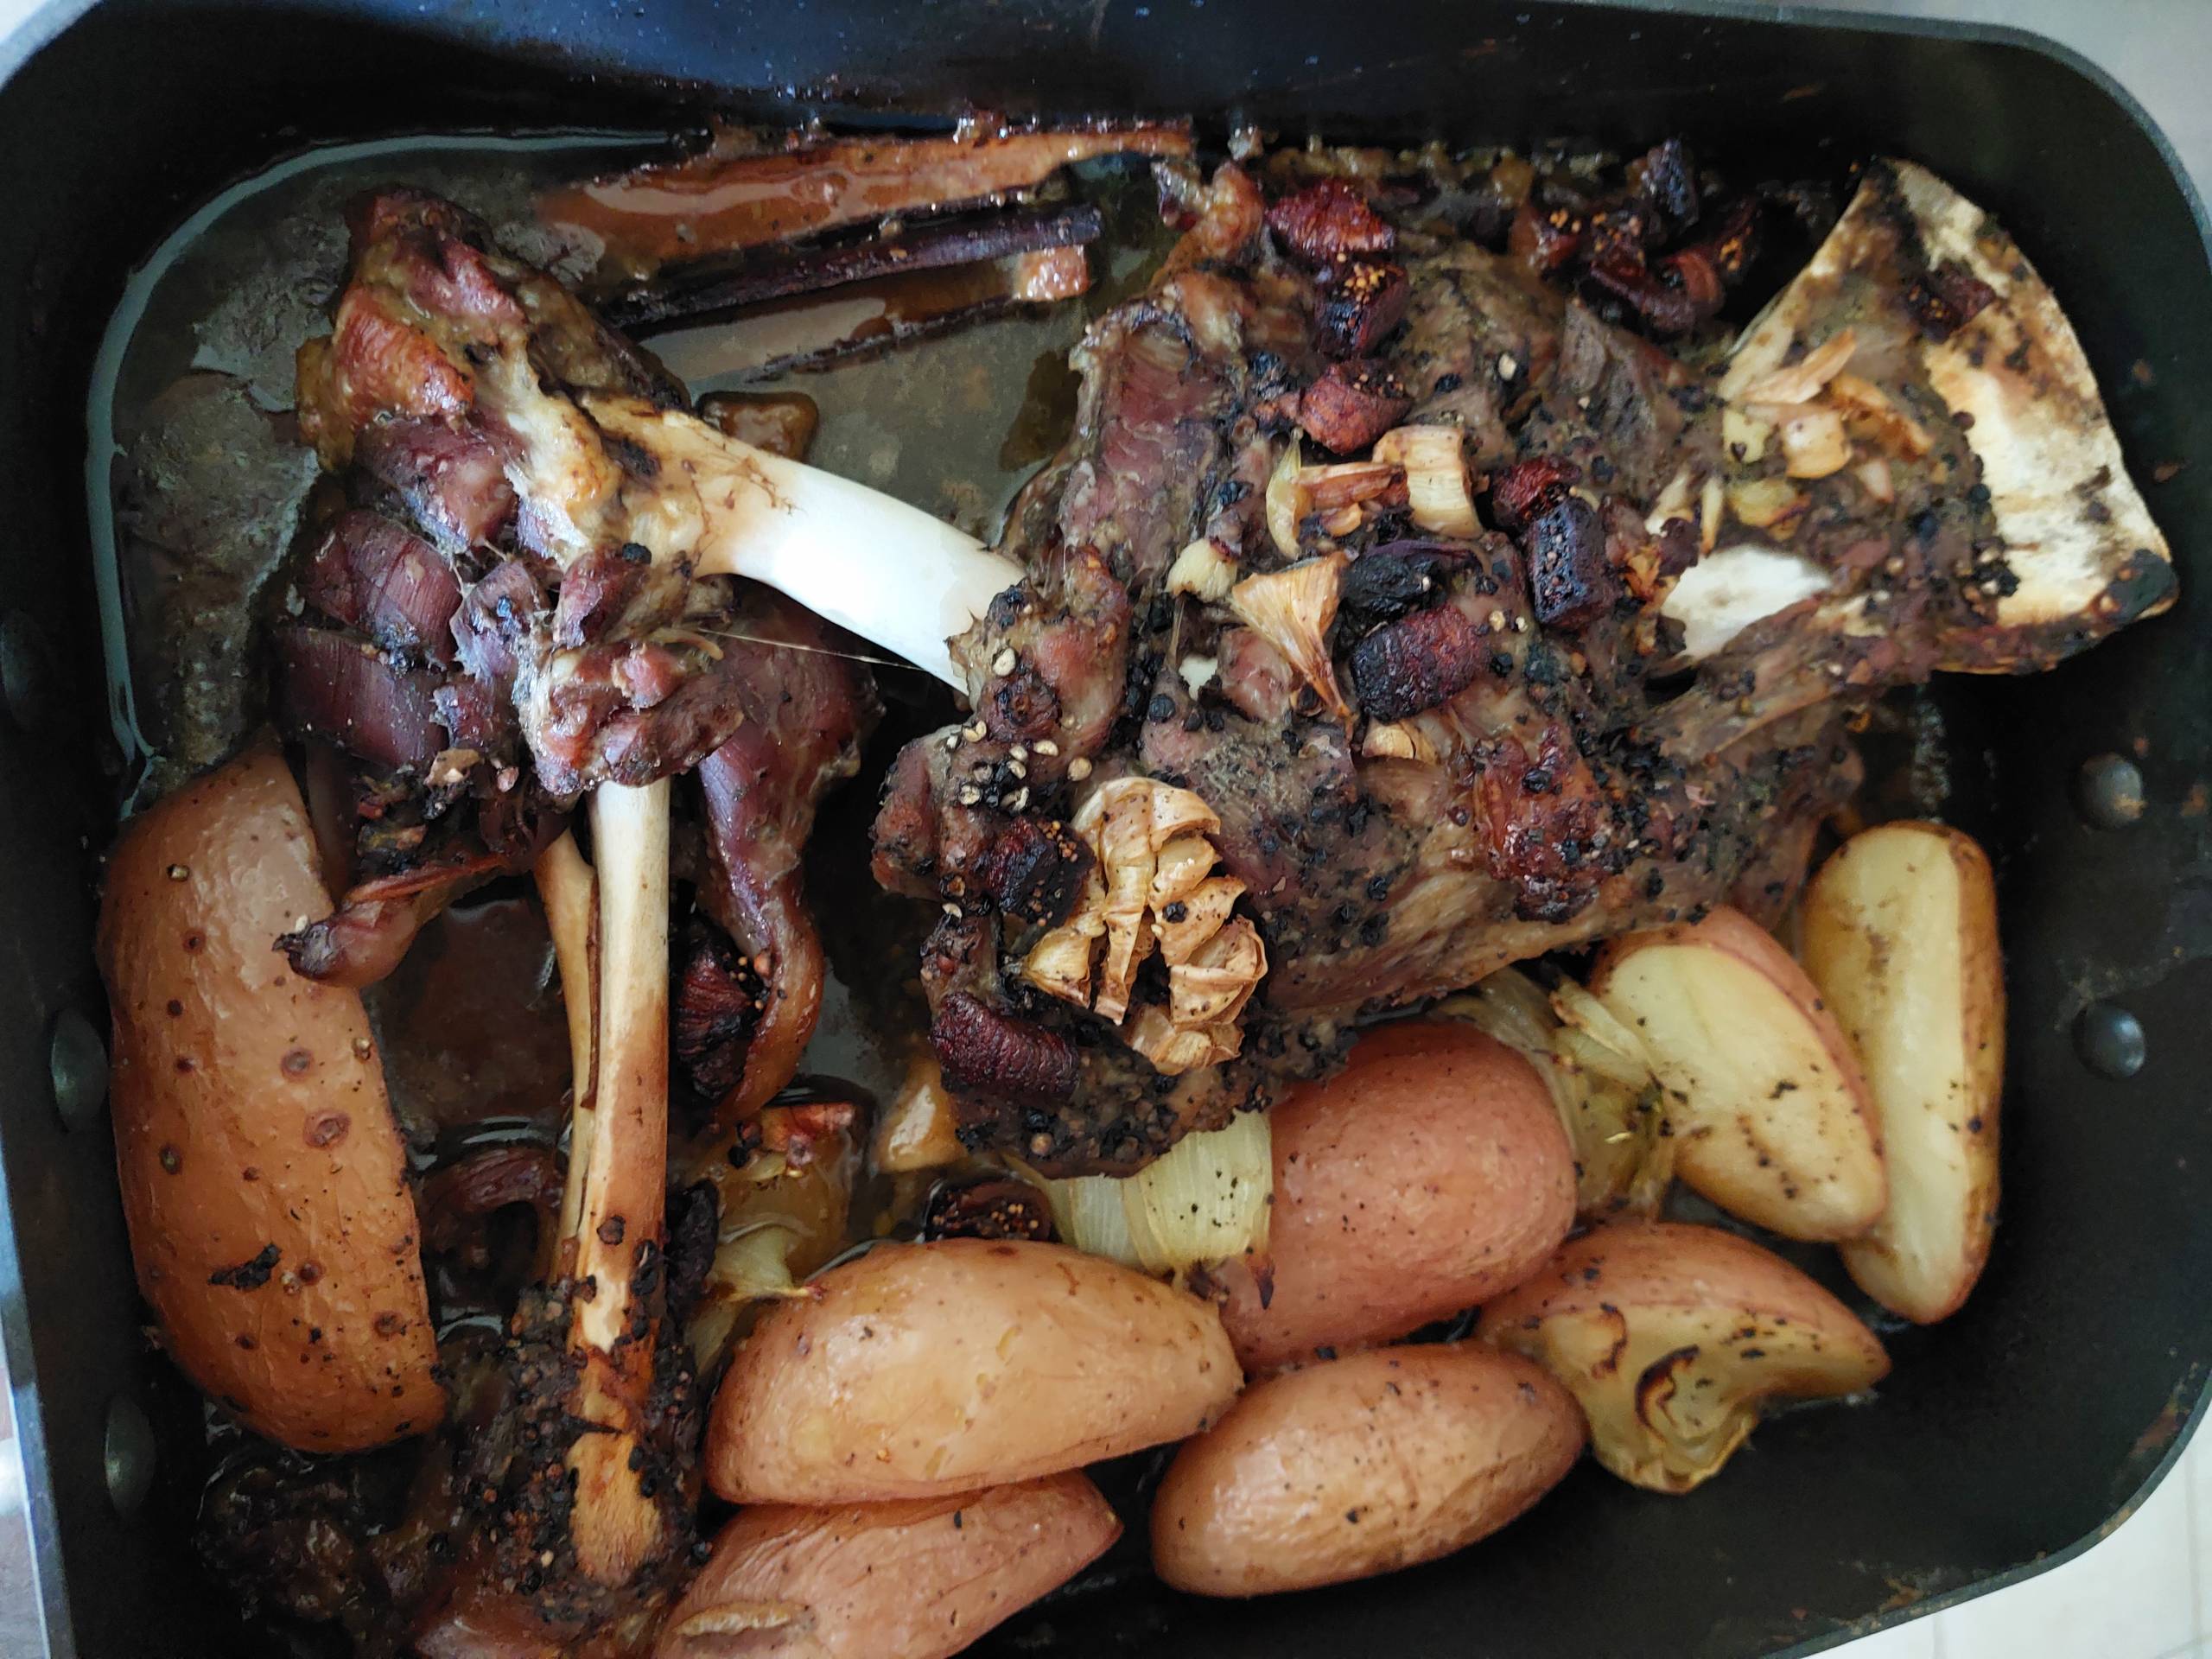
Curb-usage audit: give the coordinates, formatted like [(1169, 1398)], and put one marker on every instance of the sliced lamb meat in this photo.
[(379, 577), (342, 691), (451, 482)]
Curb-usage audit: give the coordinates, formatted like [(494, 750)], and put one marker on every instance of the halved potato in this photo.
[(922, 1369), (1773, 1116), (919, 1580), (1429, 1174), (1900, 935), (1361, 1465), (1671, 1335), (1609, 1102), (263, 1177)]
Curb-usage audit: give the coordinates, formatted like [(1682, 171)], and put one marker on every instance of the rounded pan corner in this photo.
[(36, 29), (2199, 1412), (2009, 35)]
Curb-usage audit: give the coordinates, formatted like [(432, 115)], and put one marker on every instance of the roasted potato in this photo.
[(263, 1180), (922, 1369), (1900, 935), (1428, 1175), (1671, 1335), (1772, 1113), (1361, 1465), (917, 1579), (1609, 1102)]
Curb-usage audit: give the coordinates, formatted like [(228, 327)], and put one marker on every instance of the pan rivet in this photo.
[(26, 671), (77, 1062), (128, 1455), (2110, 1040), (2110, 790)]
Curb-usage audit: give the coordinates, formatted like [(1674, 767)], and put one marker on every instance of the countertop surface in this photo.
[(2144, 1592)]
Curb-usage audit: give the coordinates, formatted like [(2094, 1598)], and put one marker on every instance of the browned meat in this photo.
[(715, 998), (805, 710), (1328, 222), (1543, 748), (745, 193), (380, 578), (1352, 405), (449, 482), (620, 679), (341, 690)]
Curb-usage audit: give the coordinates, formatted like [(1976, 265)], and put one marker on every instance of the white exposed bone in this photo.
[(569, 893), (617, 1164), (890, 573), (2077, 538)]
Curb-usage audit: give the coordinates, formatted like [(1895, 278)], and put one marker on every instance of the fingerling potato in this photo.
[(1670, 1336), (263, 1180), (1361, 1465), (921, 1369), (1900, 935), (1431, 1173), (919, 1578), (1773, 1119)]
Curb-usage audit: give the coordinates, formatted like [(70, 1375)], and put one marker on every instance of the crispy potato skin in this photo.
[(1430, 1174), (924, 1369), (1900, 934), (1361, 1465), (1775, 1122), (1670, 1334), (916, 1580), (263, 1177)]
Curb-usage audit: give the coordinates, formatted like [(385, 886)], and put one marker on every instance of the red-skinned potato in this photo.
[(917, 1579), (1773, 1119), (1354, 1467), (1428, 1175), (1900, 934), (917, 1370), (1670, 1336), (263, 1178)]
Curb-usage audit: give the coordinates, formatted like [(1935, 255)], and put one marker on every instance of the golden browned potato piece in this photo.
[(263, 1177), (1772, 1117), (1900, 931), (916, 1580), (1361, 1465), (1670, 1336), (924, 1369), (1428, 1175)]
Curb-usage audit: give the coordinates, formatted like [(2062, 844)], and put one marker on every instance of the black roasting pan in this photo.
[(2009, 1437)]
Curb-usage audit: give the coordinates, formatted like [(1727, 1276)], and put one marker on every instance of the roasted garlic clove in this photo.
[(1292, 610), (1155, 886)]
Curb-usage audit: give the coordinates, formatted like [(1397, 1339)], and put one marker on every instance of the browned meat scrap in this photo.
[(1564, 654)]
